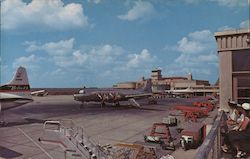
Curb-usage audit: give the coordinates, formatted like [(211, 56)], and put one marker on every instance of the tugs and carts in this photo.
[(197, 110), (192, 112), (170, 120), (160, 134), (192, 136)]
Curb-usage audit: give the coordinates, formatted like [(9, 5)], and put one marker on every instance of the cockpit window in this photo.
[(82, 91)]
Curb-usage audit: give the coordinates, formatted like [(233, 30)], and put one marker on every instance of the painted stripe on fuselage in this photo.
[(14, 88)]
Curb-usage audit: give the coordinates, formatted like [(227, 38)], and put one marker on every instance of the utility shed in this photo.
[(234, 66)]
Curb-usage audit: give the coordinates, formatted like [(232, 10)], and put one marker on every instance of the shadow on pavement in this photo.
[(7, 153)]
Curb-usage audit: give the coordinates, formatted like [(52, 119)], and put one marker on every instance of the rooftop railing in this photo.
[(211, 147)]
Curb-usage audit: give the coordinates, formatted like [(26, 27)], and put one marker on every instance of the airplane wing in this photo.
[(5, 96), (8, 96), (139, 96), (39, 93)]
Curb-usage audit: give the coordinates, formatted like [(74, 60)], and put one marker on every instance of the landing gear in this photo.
[(117, 104), (152, 101), (102, 104), (82, 105), (2, 122)]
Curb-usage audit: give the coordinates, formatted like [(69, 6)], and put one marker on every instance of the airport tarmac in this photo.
[(107, 125)]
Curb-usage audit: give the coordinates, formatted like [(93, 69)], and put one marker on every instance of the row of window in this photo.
[(241, 73)]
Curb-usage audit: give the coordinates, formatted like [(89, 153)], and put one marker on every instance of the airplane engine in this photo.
[(118, 97), (112, 97), (108, 97)]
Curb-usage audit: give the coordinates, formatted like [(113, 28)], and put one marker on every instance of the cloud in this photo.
[(204, 35), (197, 55), (245, 24), (192, 1), (30, 62), (242, 25), (131, 66), (196, 42), (59, 48), (186, 46), (138, 60), (53, 14), (100, 55), (141, 10), (60, 51), (226, 3), (231, 3), (95, 1), (209, 58), (98, 62), (79, 57), (224, 28), (64, 53)]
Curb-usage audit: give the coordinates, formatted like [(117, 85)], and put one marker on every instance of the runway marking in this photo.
[(35, 143)]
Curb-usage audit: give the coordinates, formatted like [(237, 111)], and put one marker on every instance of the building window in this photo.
[(241, 75), (241, 60), (244, 89), (241, 87)]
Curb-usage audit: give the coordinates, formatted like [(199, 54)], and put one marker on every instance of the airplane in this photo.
[(180, 92), (114, 95), (16, 92), (39, 93)]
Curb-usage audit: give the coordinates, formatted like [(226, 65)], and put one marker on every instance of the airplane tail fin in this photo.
[(19, 85), (20, 78)]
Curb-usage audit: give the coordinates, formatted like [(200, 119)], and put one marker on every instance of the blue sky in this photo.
[(75, 43)]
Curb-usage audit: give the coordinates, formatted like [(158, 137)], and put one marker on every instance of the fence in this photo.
[(75, 135), (211, 147)]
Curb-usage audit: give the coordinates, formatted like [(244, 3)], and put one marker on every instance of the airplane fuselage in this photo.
[(109, 97)]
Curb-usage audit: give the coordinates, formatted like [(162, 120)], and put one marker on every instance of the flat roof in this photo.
[(128, 82), (156, 70), (232, 32), (185, 78)]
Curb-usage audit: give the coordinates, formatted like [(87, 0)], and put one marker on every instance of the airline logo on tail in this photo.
[(18, 83), (16, 92)]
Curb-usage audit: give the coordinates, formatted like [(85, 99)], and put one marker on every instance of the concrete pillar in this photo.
[(225, 79)]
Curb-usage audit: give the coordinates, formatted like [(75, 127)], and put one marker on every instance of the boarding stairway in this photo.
[(72, 139)]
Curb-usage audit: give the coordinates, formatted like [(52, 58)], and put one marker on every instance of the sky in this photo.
[(97, 43)]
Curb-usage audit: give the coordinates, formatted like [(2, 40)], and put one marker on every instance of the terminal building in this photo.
[(175, 83), (160, 83), (234, 56)]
